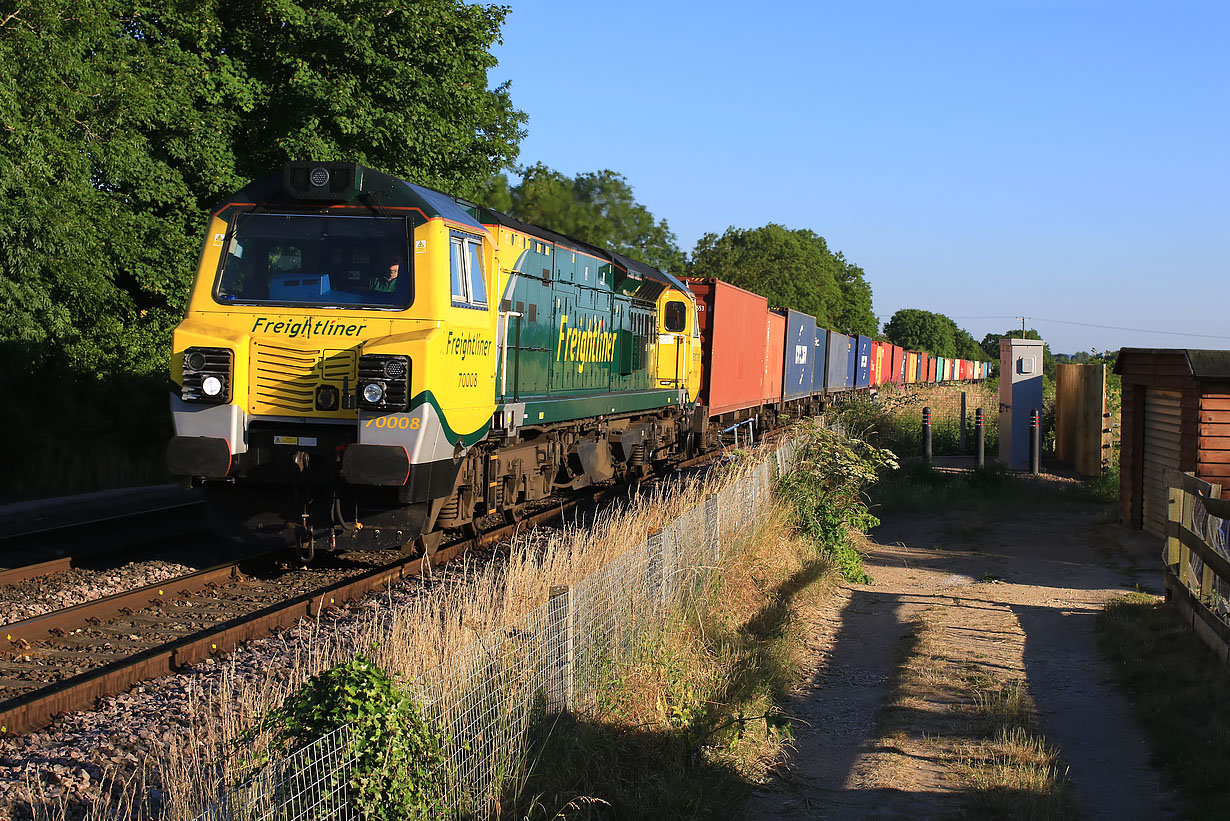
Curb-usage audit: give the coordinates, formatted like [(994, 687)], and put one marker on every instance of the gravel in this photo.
[(35, 597)]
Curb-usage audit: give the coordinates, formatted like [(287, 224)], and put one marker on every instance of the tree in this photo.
[(123, 121), (596, 207), (793, 268), (400, 85), (921, 330), (934, 333), (133, 118)]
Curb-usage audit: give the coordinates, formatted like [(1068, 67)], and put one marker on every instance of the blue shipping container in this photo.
[(800, 339), (862, 377), (851, 361), (819, 359), (839, 357)]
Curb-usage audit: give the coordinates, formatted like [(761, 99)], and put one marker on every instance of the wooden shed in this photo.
[(1176, 414)]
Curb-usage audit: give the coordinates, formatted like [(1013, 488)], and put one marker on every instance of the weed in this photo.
[(399, 770), (826, 490)]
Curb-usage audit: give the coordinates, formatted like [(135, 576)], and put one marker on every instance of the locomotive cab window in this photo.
[(675, 317), (466, 271), (316, 260)]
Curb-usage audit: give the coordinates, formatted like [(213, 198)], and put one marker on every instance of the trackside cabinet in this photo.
[(1020, 391)]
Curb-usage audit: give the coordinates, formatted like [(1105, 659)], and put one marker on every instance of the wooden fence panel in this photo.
[(1080, 417), (1197, 558)]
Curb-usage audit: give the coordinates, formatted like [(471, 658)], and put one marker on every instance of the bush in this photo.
[(826, 490), (400, 770)]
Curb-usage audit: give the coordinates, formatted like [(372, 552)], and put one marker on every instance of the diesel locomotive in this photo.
[(366, 362)]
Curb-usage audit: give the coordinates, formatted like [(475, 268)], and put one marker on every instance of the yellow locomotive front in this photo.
[(337, 360)]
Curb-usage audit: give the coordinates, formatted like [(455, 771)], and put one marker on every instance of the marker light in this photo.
[(211, 386), (319, 177), (373, 393)]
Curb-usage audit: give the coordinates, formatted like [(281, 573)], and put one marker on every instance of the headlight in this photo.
[(207, 375), (373, 393), (384, 382)]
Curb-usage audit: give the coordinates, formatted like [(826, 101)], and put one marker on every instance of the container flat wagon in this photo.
[(733, 325), (774, 346), (862, 372), (840, 375), (799, 361)]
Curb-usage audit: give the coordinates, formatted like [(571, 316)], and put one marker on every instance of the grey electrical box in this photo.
[(1020, 391)]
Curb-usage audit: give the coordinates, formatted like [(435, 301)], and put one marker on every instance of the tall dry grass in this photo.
[(408, 632)]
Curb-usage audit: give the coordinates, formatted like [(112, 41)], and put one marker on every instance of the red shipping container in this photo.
[(877, 352), (898, 364), (732, 331), (774, 357), (933, 365)]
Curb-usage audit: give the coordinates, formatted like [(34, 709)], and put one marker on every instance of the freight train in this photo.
[(366, 362)]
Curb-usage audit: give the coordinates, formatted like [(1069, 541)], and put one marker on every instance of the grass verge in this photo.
[(1177, 688), (687, 722)]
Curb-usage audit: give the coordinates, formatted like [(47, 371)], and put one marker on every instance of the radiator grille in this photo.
[(284, 379)]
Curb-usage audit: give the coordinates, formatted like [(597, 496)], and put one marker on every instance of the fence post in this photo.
[(926, 436), (1174, 513), (559, 625), (713, 527), (962, 433)]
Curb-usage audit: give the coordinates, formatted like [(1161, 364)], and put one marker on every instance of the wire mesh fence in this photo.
[(486, 700), (310, 784)]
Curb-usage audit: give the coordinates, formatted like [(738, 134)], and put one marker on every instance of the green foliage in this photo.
[(936, 334), (826, 489), (123, 121), (793, 268), (595, 207), (400, 770)]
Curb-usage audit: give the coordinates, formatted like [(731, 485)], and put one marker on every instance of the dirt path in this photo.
[(1013, 599)]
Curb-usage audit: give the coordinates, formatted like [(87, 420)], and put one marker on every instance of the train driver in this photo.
[(389, 282)]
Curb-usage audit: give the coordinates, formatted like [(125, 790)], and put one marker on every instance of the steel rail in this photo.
[(27, 572), (68, 527), (20, 635)]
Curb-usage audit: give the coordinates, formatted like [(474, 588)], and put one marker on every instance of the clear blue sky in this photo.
[(1058, 160)]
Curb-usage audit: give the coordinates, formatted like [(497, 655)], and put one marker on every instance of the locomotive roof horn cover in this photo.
[(323, 181)]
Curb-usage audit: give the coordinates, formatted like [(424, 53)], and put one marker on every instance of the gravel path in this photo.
[(1016, 598)]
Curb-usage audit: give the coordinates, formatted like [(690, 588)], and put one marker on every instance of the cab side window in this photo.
[(466, 271), (675, 317)]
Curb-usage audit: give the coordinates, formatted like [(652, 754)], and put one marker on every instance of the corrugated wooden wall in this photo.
[(1213, 454)]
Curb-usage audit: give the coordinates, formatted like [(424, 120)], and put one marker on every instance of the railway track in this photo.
[(46, 551), (64, 661)]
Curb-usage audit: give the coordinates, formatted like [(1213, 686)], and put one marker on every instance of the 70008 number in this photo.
[(403, 422)]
